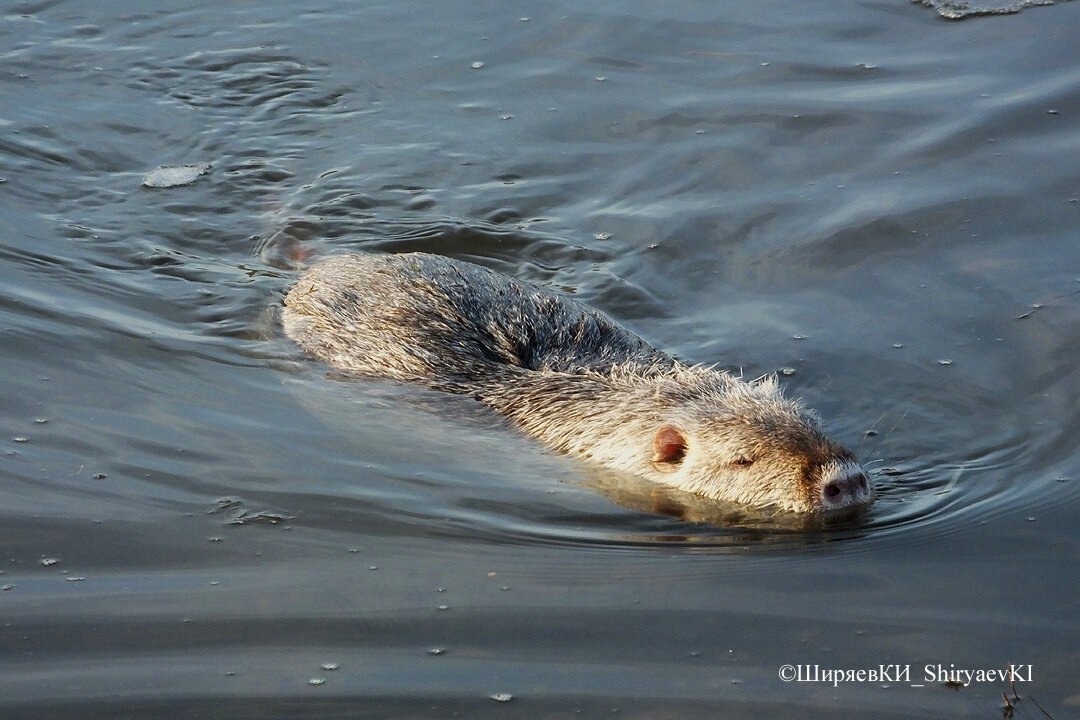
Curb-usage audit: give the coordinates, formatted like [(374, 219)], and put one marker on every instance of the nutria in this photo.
[(572, 377)]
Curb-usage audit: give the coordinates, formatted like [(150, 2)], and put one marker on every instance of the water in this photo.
[(196, 520)]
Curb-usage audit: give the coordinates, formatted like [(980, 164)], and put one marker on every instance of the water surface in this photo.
[(197, 520)]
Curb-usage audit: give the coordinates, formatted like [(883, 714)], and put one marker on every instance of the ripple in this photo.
[(939, 465)]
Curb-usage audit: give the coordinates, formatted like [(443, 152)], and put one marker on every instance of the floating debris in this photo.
[(960, 9), (262, 517), (240, 516), (167, 176), (501, 697), (224, 504)]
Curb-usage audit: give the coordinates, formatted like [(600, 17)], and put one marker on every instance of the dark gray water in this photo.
[(197, 521)]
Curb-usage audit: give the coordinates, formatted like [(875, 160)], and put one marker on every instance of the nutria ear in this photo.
[(669, 448)]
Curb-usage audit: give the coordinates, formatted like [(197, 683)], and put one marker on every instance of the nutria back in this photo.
[(419, 316), (571, 376)]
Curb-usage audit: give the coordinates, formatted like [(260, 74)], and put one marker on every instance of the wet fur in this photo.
[(566, 374)]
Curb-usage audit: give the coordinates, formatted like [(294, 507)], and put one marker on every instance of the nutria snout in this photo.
[(844, 487), (572, 377)]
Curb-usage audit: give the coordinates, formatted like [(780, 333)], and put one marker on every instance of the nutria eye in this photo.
[(743, 461)]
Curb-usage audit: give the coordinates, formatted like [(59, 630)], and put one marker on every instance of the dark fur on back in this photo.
[(420, 315)]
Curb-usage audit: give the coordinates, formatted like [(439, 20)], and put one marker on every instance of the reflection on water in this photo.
[(196, 519)]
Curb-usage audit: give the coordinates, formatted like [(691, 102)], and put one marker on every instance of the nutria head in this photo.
[(692, 428), (723, 438)]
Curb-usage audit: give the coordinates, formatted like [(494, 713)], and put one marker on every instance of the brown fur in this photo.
[(572, 377)]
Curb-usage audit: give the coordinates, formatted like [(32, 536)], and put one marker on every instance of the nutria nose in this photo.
[(850, 490)]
